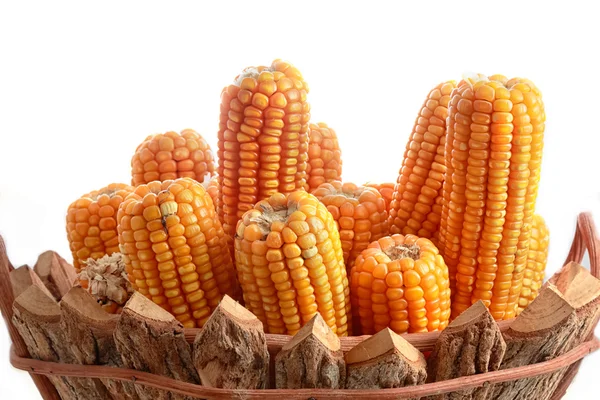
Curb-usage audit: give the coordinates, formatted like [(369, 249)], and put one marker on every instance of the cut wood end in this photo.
[(79, 301), (578, 286), (549, 309), (382, 343), (24, 277), (318, 328), (44, 262), (238, 313), (36, 301), (477, 311), (141, 305)]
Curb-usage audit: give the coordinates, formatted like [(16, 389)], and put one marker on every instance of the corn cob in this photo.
[(386, 190), (493, 157), (175, 250), (92, 223), (414, 208), (359, 212), (212, 188), (170, 156), (537, 258), (290, 264), (324, 156), (263, 139), (400, 282)]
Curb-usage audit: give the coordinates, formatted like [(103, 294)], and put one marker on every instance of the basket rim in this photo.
[(189, 389)]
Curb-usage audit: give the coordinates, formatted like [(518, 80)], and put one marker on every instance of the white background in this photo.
[(82, 84)]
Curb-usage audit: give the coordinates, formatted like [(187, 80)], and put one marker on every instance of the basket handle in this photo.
[(586, 238)]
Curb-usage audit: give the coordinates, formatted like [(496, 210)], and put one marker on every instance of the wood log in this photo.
[(24, 277), (231, 350), (471, 344), (150, 339), (43, 384), (311, 359), (56, 273), (546, 329), (384, 360), (89, 330), (37, 316)]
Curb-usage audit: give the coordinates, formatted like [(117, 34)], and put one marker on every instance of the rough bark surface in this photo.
[(150, 339), (385, 360), (38, 319), (231, 350), (24, 277), (57, 274), (311, 359), (471, 344), (89, 331), (546, 329)]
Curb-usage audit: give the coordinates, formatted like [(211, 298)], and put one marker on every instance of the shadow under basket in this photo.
[(586, 238)]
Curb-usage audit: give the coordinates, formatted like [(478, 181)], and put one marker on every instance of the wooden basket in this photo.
[(586, 238)]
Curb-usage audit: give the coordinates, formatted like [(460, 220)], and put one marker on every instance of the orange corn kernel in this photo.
[(386, 190), (92, 223), (290, 264), (414, 208), (175, 250), (212, 188), (400, 282), (172, 155), (324, 156), (493, 158), (537, 258), (263, 139), (359, 212)]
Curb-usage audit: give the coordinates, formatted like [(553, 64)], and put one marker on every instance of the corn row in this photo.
[(386, 189), (537, 258), (175, 250), (420, 178), (359, 212), (263, 139), (290, 264), (324, 156), (92, 223), (489, 190), (170, 156)]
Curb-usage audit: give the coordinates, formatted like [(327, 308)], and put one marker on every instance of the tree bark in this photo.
[(150, 339), (384, 360), (58, 276), (38, 319), (231, 350), (311, 359), (89, 331), (471, 344)]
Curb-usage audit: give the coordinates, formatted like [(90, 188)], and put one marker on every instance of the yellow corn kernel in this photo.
[(324, 156), (537, 258)]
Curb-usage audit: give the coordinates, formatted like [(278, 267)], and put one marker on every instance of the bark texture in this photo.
[(311, 359), (231, 350)]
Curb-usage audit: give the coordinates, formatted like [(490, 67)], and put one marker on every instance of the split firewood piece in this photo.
[(231, 349), (471, 344), (311, 359), (89, 330), (150, 339), (24, 277), (37, 317), (385, 360), (56, 273), (546, 329)]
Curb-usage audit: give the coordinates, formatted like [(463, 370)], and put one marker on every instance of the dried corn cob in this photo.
[(324, 156), (290, 264), (414, 208), (171, 156), (386, 190), (400, 282), (92, 223), (175, 249), (537, 257), (212, 188), (359, 212), (263, 139), (493, 157)]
